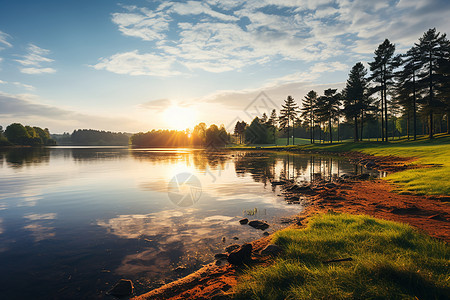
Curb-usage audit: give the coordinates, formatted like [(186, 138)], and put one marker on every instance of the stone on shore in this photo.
[(243, 221), (123, 288), (271, 250), (241, 256), (258, 224), (232, 247)]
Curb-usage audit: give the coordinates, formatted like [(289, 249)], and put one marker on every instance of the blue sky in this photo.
[(138, 65)]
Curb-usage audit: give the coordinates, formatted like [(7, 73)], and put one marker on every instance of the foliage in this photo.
[(389, 261), (259, 132), (88, 137), (288, 114), (356, 100), (160, 138), (18, 134)]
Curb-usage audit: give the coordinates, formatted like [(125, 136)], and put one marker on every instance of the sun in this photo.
[(180, 118)]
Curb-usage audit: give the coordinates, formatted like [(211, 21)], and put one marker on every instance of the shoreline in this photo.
[(374, 197)]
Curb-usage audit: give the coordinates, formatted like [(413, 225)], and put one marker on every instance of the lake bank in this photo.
[(428, 213)]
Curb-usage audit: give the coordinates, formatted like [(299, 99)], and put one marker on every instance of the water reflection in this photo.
[(74, 220)]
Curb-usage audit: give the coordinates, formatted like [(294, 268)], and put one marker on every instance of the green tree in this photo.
[(17, 134), (216, 137), (406, 86), (257, 132), (307, 112), (239, 129), (272, 122), (382, 74), (355, 96), (434, 48), (288, 114), (328, 108)]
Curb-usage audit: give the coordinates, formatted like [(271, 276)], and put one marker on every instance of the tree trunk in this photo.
[(320, 132), (287, 140), (407, 123), (431, 98), (385, 105), (293, 132), (382, 113), (414, 106), (356, 129), (448, 121), (338, 130), (329, 128), (362, 126)]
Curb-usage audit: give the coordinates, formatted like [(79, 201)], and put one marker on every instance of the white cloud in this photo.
[(134, 63), (23, 85), (34, 59), (3, 40), (3, 82), (219, 36)]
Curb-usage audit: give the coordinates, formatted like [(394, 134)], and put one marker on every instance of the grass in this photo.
[(433, 180), (390, 261)]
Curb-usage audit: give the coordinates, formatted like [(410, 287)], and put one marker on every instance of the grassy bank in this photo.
[(390, 261), (435, 154)]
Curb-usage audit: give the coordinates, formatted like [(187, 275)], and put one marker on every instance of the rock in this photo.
[(370, 164), (437, 217), (243, 221), (223, 239), (330, 185), (363, 176), (299, 188), (180, 269), (265, 233), (221, 256), (123, 288), (272, 250), (258, 224), (281, 182), (232, 247), (241, 256)]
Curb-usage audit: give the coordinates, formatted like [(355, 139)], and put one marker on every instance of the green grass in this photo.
[(390, 261), (298, 141), (435, 153)]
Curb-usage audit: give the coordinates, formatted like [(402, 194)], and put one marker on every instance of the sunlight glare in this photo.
[(180, 118)]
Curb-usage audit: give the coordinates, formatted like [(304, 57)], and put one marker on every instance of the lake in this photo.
[(74, 220)]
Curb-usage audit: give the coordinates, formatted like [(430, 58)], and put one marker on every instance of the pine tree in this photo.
[(434, 52), (355, 96), (273, 120), (288, 113), (327, 108), (382, 73), (307, 114)]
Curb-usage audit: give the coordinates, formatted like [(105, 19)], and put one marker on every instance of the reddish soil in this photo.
[(374, 197)]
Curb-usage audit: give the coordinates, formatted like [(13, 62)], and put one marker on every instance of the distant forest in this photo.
[(17, 134), (91, 137), (201, 136)]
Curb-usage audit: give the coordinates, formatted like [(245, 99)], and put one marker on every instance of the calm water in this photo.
[(75, 220)]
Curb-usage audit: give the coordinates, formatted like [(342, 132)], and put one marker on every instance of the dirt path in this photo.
[(373, 197)]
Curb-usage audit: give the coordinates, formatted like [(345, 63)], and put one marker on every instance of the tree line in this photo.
[(201, 136), (18, 134), (400, 94)]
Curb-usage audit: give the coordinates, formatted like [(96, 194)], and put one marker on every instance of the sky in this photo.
[(141, 65)]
